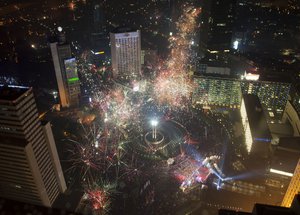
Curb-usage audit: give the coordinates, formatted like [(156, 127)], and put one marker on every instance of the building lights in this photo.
[(281, 172), (236, 44), (246, 126)]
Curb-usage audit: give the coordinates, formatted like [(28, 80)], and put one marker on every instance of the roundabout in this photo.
[(165, 143), (154, 141)]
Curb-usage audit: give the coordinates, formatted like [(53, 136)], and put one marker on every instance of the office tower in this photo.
[(219, 20), (29, 165), (98, 36), (98, 17), (257, 134), (69, 91), (293, 189), (215, 91), (126, 54), (204, 24)]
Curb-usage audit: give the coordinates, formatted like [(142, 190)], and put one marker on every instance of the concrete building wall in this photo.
[(291, 115), (29, 166)]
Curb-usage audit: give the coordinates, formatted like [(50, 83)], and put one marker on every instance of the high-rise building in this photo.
[(99, 37), (257, 135), (218, 23), (98, 16), (126, 53), (293, 189), (216, 91), (29, 165), (69, 91)]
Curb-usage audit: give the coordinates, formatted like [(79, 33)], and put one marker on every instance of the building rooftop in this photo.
[(11, 93), (275, 77), (216, 77), (290, 143), (229, 212), (122, 29), (284, 160), (257, 121), (287, 154)]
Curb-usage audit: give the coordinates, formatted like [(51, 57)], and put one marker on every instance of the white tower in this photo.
[(126, 53)]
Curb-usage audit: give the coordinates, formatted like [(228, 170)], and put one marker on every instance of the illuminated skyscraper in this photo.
[(257, 135), (293, 189), (29, 165), (65, 71), (126, 53)]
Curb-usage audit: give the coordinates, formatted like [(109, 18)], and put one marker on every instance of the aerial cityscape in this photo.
[(150, 107)]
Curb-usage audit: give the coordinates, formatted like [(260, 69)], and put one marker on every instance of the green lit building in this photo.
[(65, 71)]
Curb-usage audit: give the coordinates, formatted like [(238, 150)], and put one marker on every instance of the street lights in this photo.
[(154, 124)]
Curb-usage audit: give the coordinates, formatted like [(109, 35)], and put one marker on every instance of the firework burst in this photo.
[(173, 85), (96, 150), (97, 196), (117, 106)]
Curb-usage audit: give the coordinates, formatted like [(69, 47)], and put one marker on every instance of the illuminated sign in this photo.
[(71, 70), (97, 53), (236, 44), (252, 77), (71, 80)]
